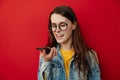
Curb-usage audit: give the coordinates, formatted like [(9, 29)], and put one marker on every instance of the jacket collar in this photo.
[(59, 57)]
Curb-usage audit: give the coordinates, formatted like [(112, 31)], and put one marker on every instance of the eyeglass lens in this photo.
[(62, 26)]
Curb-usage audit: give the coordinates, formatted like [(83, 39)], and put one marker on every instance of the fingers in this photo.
[(43, 53), (53, 52), (47, 57)]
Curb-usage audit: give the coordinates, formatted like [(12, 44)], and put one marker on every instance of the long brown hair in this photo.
[(80, 48)]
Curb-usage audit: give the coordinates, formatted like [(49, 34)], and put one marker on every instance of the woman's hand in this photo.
[(48, 57)]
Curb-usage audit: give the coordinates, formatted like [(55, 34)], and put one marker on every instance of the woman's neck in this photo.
[(66, 46)]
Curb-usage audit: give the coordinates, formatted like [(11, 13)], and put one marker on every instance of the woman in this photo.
[(69, 57)]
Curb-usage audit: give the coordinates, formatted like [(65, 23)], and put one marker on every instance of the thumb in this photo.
[(43, 53)]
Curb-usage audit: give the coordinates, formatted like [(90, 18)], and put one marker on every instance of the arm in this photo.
[(42, 68), (45, 64), (94, 66)]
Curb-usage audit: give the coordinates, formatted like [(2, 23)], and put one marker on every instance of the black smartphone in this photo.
[(47, 49)]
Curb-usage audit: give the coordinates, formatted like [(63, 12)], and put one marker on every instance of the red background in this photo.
[(23, 27)]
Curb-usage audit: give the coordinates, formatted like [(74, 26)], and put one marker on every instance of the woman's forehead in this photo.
[(57, 18)]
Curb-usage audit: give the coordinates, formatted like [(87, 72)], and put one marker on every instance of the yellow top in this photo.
[(67, 55)]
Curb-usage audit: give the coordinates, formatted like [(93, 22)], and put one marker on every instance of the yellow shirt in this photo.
[(67, 55)]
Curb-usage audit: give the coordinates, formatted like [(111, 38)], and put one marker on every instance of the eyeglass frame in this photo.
[(59, 25)]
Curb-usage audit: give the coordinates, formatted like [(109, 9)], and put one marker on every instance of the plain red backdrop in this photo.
[(23, 27)]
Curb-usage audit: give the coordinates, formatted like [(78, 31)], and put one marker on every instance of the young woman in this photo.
[(69, 57)]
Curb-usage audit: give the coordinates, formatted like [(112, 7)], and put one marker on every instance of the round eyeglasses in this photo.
[(62, 26)]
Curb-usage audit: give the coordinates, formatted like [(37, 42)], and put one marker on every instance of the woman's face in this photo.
[(62, 28)]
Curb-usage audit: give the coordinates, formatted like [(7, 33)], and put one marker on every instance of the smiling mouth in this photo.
[(59, 36)]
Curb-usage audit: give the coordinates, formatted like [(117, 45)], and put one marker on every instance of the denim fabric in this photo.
[(54, 69)]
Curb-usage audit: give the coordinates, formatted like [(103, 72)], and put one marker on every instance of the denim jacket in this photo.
[(54, 69)]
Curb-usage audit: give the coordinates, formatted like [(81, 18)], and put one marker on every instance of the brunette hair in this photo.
[(80, 48)]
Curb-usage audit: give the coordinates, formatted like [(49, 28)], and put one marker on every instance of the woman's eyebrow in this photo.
[(59, 23), (62, 22), (53, 23)]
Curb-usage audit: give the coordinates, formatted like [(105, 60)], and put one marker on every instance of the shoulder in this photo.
[(93, 56)]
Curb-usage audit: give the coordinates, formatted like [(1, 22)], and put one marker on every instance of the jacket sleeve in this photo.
[(94, 66), (42, 68)]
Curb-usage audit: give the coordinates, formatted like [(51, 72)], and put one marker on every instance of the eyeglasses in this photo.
[(62, 26)]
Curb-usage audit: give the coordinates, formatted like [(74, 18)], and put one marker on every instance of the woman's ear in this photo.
[(74, 25)]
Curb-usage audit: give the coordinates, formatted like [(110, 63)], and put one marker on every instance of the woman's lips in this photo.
[(59, 36)]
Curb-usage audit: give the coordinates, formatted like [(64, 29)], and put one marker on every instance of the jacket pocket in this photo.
[(56, 70)]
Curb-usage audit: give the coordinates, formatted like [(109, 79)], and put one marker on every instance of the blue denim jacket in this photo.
[(54, 69)]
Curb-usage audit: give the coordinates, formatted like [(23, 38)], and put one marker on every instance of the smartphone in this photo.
[(47, 49)]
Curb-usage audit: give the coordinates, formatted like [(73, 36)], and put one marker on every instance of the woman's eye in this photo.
[(62, 25), (53, 26)]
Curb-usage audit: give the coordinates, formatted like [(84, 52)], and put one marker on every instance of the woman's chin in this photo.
[(59, 41)]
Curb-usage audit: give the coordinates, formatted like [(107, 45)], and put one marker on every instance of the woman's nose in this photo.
[(58, 29)]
